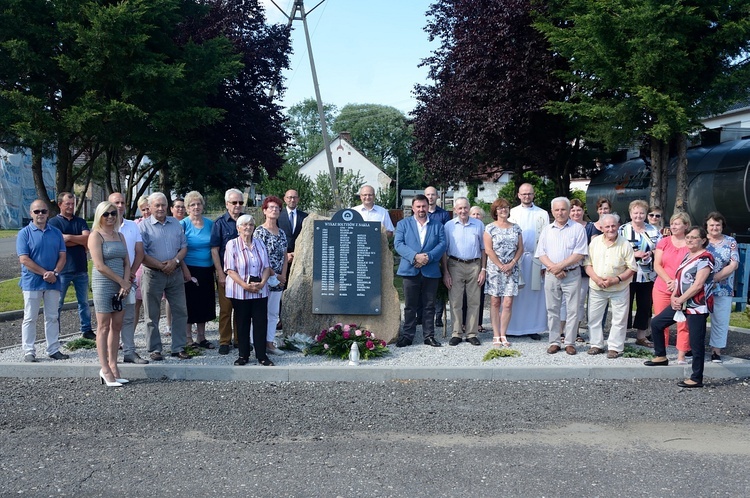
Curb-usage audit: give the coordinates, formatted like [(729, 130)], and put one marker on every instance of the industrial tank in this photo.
[(718, 180)]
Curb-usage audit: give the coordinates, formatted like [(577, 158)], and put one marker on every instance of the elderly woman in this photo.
[(200, 293), (643, 238), (110, 283), (503, 243), (275, 241), (145, 209), (726, 260), (691, 295), (669, 253), (577, 212), (248, 268)]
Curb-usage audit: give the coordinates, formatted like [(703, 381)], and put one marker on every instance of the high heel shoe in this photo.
[(105, 381), (121, 381)]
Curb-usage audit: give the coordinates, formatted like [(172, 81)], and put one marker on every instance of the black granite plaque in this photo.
[(346, 265)]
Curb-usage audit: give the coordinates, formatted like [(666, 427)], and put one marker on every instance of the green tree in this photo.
[(544, 190), (288, 178), (303, 125), (649, 70)]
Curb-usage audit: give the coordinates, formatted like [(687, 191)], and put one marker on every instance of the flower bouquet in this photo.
[(337, 341)]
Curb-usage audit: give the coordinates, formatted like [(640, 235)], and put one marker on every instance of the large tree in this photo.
[(649, 70), (484, 113), (303, 127)]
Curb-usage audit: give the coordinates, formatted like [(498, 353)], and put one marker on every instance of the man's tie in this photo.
[(291, 220)]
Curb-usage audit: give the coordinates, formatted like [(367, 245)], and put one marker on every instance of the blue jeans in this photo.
[(80, 282)]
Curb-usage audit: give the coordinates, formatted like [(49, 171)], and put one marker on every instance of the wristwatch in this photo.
[(177, 260), (55, 273)]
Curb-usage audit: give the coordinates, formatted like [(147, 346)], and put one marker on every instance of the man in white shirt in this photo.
[(131, 233), (371, 212), (529, 316)]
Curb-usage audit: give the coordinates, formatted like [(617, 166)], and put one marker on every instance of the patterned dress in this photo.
[(505, 245), (724, 252), (276, 247), (113, 253)]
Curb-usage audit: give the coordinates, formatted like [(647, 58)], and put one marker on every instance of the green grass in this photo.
[(11, 298), (6, 234)]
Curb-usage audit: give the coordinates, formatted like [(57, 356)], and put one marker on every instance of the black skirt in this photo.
[(201, 298)]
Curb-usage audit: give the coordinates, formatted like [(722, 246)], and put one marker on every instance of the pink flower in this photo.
[(353, 325), (346, 328), (368, 333), (358, 332), (382, 343), (331, 329), (326, 346), (345, 335), (370, 345), (339, 325)]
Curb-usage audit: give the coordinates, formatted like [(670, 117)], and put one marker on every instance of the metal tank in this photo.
[(718, 180)]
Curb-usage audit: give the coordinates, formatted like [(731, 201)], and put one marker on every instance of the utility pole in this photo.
[(298, 14)]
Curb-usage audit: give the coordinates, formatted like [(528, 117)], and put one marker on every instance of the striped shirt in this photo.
[(558, 243), (247, 262)]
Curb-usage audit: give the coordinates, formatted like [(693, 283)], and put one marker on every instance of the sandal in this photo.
[(205, 344), (579, 338), (266, 362), (505, 341), (497, 343), (480, 330), (644, 342)]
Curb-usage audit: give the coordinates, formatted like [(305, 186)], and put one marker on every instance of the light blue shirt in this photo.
[(44, 248), (162, 241), (465, 241)]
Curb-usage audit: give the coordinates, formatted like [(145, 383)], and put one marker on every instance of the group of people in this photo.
[(551, 277), (179, 259), (541, 276)]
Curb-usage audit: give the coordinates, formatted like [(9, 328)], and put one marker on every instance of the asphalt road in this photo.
[(413, 438)]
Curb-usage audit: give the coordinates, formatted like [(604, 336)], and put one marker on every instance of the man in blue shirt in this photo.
[(41, 251), (75, 232)]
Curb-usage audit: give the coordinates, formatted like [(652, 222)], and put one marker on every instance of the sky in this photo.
[(365, 51)]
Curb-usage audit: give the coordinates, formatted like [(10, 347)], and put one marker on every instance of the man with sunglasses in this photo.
[(41, 252), (224, 230), (75, 232)]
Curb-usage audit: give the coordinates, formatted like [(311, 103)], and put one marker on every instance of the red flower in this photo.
[(368, 333), (345, 335), (370, 345)]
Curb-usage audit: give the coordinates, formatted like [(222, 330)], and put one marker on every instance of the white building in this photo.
[(347, 158)]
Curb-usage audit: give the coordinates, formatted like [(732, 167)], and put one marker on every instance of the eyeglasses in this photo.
[(654, 215), (107, 214), (39, 211), (179, 207), (273, 208), (236, 203), (526, 193)]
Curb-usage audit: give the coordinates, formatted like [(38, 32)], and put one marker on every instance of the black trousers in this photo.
[(251, 312), (697, 328), (419, 291), (641, 292)]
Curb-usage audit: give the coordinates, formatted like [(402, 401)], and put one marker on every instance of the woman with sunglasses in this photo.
[(642, 237), (110, 287)]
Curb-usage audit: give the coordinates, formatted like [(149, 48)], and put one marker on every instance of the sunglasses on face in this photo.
[(654, 215), (39, 211), (107, 214), (236, 203)]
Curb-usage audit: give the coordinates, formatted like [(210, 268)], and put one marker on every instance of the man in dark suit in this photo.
[(421, 243), (290, 221)]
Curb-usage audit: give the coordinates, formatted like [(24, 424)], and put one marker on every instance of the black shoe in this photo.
[(134, 358), (691, 385), (266, 362), (59, 356), (439, 322), (455, 341), (156, 356), (473, 341), (237, 345), (224, 349), (89, 334), (431, 341), (689, 354), (403, 342), (535, 337), (240, 361), (181, 355)]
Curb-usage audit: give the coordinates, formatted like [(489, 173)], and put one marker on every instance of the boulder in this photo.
[(296, 309)]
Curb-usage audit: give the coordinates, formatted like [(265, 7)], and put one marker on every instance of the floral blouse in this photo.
[(645, 242), (724, 252), (276, 247)]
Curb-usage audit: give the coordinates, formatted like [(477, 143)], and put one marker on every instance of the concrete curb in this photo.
[(368, 374), (18, 314)]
